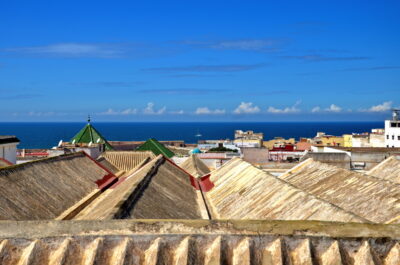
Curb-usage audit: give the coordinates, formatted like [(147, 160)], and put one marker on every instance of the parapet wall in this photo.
[(341, 160), (197, 242)]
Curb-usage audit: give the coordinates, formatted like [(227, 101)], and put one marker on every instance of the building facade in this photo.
[(248, 139), (392, 130), (8, 148)]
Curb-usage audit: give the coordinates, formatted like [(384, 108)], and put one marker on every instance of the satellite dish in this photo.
[(73, 142), (90, 144), (98, 140), (60, 143)]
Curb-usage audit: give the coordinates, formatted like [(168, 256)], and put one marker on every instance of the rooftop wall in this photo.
[(197, 242)]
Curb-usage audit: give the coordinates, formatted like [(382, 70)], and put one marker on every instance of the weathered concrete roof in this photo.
[(43, 189), (372, 198), (127, 160), (159, 190), (194, 166), (176, 242), (388, 169), (243, 191)]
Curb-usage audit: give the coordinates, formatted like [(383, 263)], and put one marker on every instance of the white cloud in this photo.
[(246, 108), (205, 110), (149, 110), (109, 112), (72, 50), (316, 109), (177, 112), (333, 108), (292, 109), (128, 111), (385, 106), (40, 114)]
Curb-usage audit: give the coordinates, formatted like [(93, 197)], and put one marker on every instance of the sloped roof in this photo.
[(194, 166), (156, 147), (89, 134), (126, 160), (4, 162), (105, 163), (159, 190), (43, 189), (372, 198), (388, 169), (243, 191), (197, 242)]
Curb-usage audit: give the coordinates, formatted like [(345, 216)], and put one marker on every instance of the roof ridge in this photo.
[(47, 159), (301, 190)]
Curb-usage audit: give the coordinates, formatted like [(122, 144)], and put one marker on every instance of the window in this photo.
[(393, 124), (387, 137), (392, 137), (387, 146), (398, 137)]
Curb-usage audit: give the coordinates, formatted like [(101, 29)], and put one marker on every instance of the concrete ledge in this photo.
[(52, 228)]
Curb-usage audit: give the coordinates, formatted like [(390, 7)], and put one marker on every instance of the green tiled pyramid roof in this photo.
[(90, 134), (156, 147)]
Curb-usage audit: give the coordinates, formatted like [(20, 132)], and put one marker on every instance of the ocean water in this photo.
[(47, 135)]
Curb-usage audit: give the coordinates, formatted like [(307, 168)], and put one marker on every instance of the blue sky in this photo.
[(199, 61)]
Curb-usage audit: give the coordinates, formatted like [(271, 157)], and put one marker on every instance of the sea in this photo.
[(39, 135)]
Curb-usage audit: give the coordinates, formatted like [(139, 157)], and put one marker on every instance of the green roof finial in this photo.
[(88, 119)]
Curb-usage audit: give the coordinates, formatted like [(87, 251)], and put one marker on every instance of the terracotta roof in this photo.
[(243, 191), (197, 242), (159, 190), (43, 189), (388, 169), (194, 166), (126, 160), (303, 146), (372, 198)]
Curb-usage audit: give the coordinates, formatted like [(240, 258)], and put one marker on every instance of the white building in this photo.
[(392, 130), (8, 148)]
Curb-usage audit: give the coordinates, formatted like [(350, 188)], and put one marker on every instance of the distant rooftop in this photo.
[(7, 139), (368, 149)]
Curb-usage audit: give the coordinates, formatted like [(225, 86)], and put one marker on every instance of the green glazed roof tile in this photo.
[(156, 147)]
